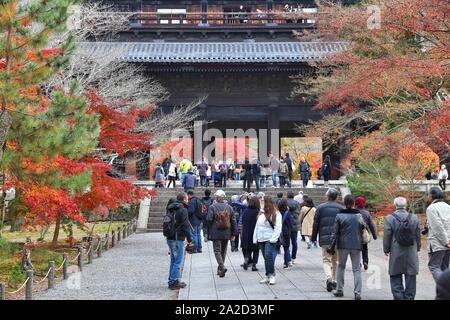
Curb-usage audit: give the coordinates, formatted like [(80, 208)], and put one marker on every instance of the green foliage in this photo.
[(16, 277), (7, 248)]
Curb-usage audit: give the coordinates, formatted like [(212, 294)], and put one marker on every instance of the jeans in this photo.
[(400, 292), (197, 237), (274, 178), (355, 256), (329, 263), (282, 181), (262, 181), (176, 248), (438, 262), (235, 243), (294, 235), (237, 176), (287, 255), (269, 253), (251, 255), (256, 177), (220, 251), (182, 176), (223, 180), (203, 181)]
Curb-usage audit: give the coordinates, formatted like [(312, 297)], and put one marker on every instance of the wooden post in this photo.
[(100, 247), (51, 276), (29, 286), (124, 229), (28, 240), (119, 234), (106, 242), (80, 257), (113, 239), (2, 291), (65, 266), (91, 251)]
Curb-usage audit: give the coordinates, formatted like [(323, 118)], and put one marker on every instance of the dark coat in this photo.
[(368, 220), (304, 168), (195, 216), (248, 170), (348, 227), (238, 209), (218, 234), (249, 217), (402, 260), (294, 212), (202, 168), (324, 222), (286, 228), (182, 225), (326, 170), (189, 181), (288, 162)]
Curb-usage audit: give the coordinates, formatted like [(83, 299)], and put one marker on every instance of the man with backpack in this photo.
[(401, 243), (222, 228), (196, 211), (176, 228)]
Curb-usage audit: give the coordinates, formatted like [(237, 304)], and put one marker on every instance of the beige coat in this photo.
[(307, 222)]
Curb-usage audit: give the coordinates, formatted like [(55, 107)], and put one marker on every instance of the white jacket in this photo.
[(438, 221), (263, 230), (443, 174)]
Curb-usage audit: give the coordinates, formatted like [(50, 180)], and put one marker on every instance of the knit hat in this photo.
[(360, 202)]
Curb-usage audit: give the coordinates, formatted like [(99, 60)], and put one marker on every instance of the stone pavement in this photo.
[(136, 269), (304, 281)]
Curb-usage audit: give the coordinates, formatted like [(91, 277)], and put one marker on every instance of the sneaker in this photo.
[(272, 280), (285, 266), (290, 264), (293, 261), (366, 266), (357, 296), (254, 268), (334, 285), (264, 280), (329, 285), (244, 266), (199, 251), (339, 294)]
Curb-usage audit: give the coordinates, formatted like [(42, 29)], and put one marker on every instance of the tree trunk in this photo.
[(56, 233)]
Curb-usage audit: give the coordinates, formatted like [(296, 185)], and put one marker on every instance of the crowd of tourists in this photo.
[(261, 225), (277, 172)]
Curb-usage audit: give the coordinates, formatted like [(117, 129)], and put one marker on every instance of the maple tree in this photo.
[(393, 75)]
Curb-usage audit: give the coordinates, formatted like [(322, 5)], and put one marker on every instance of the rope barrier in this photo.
[(21, 287), (100, 242), (75, 259), (43, 279), (62, 265), (87, 253)]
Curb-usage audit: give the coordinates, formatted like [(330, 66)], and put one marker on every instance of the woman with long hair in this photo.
[(249, 249), (266, 235)]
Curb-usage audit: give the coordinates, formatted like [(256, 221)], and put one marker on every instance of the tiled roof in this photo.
[(217, 52)]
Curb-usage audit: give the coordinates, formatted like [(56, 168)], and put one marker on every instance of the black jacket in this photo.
[(347, 230), (294, 212), (249, 217), (324, 222), (195, 216), (182, 224)]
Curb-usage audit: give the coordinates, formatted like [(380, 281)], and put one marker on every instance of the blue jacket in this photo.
[(286, 227), (195, 216), (189, 181)]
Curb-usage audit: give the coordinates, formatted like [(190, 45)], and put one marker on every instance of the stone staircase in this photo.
[(158, 203)]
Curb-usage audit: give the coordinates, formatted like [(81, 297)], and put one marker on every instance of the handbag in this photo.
[(365, 234)]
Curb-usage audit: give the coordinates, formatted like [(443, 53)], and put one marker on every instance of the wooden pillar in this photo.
[(269, 4), (204, 5), (273, 122)]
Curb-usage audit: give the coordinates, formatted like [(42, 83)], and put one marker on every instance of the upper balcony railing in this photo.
[(219, 19)]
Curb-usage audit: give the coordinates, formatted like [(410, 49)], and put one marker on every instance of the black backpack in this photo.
[(405, 234), (169, 224)]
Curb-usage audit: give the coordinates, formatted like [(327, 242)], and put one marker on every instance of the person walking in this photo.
[(238, 209), (203, 172), (438, 232), (256, 170), (290, 166), (250, 250), (305, 171), (442, 176), (185, 166), (166, 165), (158, 176), (361, 206), (266, 235), (195, 218), (294, 212), (307, 214), (172, 175), (324, 227), (207, 201), (222, 228), (274, 165), (401, 243), (285, 232), (248, 175), (176, 230), (326, 170), (223, 169), (283, 172), (189, 181), (347, 239)]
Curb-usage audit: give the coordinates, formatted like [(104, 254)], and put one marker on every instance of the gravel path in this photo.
[(136, 269)]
